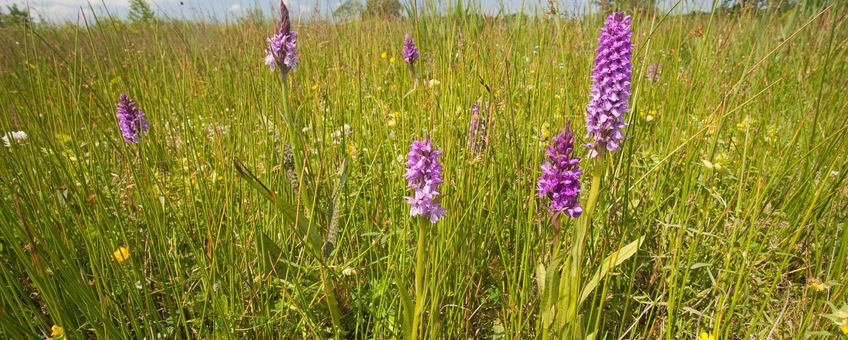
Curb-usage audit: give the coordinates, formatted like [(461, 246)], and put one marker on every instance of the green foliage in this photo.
[(14, 16), (349, 9), (383, 8), (140, 12), (734, 170), (627, 6)]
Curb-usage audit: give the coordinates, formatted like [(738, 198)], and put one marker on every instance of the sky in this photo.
[(71, 10)]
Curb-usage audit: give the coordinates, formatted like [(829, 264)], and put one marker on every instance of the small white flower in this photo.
[(834, 173), (18, 137)]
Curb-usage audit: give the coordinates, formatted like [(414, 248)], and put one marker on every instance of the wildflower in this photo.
[(819, 286), (130, 119), (122, 254), (650, 116), (653, 73), (383, 55), (424, 175), (771, 133), (839, 317), (744, 124), (346, 130), (282, 46), (610, 86), (392, 60), (393, 118), (546, 131), (477, 134), (352, 151), (57, 331), (717, 163), (282, 51), (706, 336), (14, 137), (409, 52), (560, 178)]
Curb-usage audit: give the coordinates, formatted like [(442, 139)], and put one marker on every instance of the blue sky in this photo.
[(70, 10)]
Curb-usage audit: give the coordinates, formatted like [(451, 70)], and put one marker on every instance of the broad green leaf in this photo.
[(612, 261), (540, 277), (551, 293), (407, 305)]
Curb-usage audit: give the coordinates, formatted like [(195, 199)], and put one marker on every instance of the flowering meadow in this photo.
[(441, 175)]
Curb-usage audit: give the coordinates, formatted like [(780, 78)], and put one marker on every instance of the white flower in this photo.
[(346, 130), (18, 137)]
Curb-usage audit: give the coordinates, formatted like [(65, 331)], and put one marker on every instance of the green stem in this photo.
[(294, 140), (579, 245), (332, 302), (419, 278)]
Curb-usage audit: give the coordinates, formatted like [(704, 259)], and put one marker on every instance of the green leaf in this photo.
[(551, 292), (498, 330), (612, 261), (407, 306), (540, 277), (302, 225)]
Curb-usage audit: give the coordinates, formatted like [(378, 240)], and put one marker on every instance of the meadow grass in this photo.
[(733, 171)]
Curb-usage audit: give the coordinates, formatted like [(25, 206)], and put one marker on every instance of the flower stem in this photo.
[(579, 244), (419, 279), (294, 140)]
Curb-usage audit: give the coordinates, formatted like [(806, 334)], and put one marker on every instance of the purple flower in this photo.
[(610, 86), (282, 46), (282, 51), (478, 136), (653, 73), (424, 175), (410, 52), (130, 119), (560, 178)]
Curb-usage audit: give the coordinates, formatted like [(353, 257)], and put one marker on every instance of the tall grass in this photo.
[(734, 171)]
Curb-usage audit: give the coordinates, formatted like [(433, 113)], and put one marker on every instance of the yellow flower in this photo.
[(315, 87), (546, 130), (744, 124), (771, 133), (712, 129), (351, 149), (818, 285), (844, 327), (706, 336), (122, 254), (393, 118), (651, 115), (392, 59), (57, 330), (383, 55)]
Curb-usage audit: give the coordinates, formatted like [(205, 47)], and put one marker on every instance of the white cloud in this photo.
[(235, 8)]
